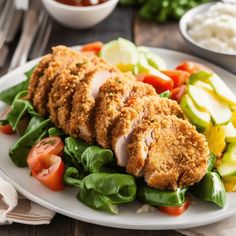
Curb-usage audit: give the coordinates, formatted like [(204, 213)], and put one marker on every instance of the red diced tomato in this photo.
[(6, 129), (160, 82), (92, 47), (179, 77), (46, 164), (175, 210), (178, 93), (192, 67)]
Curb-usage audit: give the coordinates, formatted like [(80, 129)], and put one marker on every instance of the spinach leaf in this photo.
[(34, 123), (19, 151), (73, 176), (4, 122), (19, 108), (9, 94), (165, 94), (55, 132), (158, 197), (211, 162), (73, 149), (95, 158), (210, 189), (103, 191)]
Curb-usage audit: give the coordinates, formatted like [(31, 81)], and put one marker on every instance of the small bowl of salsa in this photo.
[(79, 14)]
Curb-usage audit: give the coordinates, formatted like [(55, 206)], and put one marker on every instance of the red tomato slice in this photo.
[(161, 82), (45, 147), (175, 210), (178, 93), (92, 47), (51, 172), (6, 129), (192, 67), (179, 77)]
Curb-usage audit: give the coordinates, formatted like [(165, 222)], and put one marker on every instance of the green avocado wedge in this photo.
[(222, 90), (209, 102), (197, 117)]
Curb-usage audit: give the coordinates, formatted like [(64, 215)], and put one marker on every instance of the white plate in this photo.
[(65, 202)]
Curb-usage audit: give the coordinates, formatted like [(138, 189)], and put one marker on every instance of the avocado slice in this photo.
[(199, 118), (222, 90), (207, 101), (230, 134)]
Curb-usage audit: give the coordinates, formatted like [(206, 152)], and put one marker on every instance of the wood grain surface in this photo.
[(123, 22)]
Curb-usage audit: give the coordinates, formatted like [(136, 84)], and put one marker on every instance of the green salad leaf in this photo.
[(165, 94), (35, 121), (74, 149), (55, 132), (19, 108), (102, 191), (9, 94), (211, 189), (19, 151), (211, 162), (158, 197), (95, 158)]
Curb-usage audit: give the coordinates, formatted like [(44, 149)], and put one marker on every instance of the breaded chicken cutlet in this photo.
[(82, 113), (113, 95), (136, 110), (41, 82), (178, 154), (88, 98)]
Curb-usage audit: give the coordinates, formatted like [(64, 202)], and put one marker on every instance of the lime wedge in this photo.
[(120, 51)]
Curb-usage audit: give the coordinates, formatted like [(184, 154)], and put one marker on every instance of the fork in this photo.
[(43, 35), (31, 24), (10, 19)]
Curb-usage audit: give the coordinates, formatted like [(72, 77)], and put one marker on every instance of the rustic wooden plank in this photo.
[(82, 229), (165, 35)]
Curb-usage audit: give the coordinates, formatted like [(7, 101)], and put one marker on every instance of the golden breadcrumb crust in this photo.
[(112, 97), (178, 154)]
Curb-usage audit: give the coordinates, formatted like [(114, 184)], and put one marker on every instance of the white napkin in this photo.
[(15, 208), (223, 228)]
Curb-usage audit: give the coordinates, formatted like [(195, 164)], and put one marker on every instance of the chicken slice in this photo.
[(138, 148), (37, 74), (112, 97), (61, 58), (82, 116), (132, 114), (178, 154)]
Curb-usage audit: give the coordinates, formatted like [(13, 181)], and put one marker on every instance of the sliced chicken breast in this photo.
[(138, 148), (132, 114), (61, 58), (37, 74), (178, 154), (82, 116), (113, 95)]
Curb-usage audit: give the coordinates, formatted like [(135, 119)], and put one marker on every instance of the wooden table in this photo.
[(122, 23)]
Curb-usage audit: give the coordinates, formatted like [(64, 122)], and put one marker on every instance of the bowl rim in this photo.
[(63, 6), (183, 24)]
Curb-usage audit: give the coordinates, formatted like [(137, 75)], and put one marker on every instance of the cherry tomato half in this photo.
[(175, 210), (6, 129), (46, 147), (92, 47), (161, 82), (51, 172), (192, 67)]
